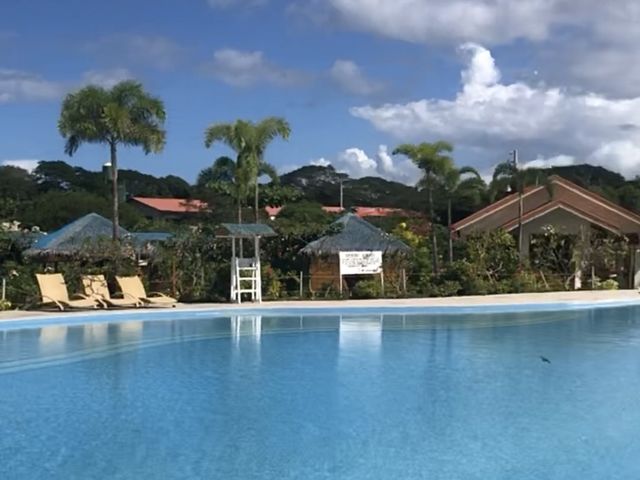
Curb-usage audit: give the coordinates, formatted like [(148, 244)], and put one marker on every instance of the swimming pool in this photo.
[(357, 395)]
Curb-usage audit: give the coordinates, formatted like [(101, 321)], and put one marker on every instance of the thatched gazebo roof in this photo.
[(355, 234), (92, 227)]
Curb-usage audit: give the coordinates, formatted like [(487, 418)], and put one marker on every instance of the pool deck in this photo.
[(600, 296)]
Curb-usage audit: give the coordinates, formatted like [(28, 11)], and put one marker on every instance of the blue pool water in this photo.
[(321, 397)]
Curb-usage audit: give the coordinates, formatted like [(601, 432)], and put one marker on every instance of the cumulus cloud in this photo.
[(426, 21), (588, 44), (151, 50), (107, 78), (16, 85), (491, 117), (358, 164), (26, 164), (241, 68), (348, 76)]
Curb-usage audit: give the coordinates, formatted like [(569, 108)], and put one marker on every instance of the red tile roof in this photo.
[(173, 205), (584, 205), (489, 209), (359, 211), (553, 205)]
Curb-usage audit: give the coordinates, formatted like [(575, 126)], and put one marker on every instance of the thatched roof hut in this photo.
[(77, 235), (353, 234)]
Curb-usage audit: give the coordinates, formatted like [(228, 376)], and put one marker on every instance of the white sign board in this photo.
[(360, 263)]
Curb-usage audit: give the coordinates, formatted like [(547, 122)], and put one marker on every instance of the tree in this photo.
[(124, 115), (435, 161), (227, 178), (459, 183), (249, 140), (17, 186)]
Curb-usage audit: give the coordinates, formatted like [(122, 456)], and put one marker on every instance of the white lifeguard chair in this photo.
[(246, 275)]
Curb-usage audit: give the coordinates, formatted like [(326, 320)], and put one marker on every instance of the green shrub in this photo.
[(367, 289), (609, 284)]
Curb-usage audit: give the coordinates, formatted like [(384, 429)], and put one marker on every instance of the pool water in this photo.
[(354, 396)]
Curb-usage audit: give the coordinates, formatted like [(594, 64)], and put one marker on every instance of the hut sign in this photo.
[(360, 263)]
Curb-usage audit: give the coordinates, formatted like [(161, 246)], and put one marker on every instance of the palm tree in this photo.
[(459, 183), (249, 140), (435, 160), (124, 115), (226, 177)]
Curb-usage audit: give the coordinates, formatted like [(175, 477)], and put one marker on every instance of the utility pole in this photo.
[(520, 189), (341, 195)]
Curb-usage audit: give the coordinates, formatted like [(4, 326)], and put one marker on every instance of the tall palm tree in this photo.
[(249, 140), (226, 177), (124, 115), (457, 183), (435, 160)]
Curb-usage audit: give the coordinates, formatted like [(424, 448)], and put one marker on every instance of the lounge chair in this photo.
[(132, 287), (95, 286), (53, 291)]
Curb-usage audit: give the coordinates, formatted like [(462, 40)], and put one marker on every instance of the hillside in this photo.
[(322, 185), (56, 192)]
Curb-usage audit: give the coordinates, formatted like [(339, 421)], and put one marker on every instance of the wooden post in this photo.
[(173, 275), (382, 281), (233, 270), (340, 274), (301, 280), (404, 281)]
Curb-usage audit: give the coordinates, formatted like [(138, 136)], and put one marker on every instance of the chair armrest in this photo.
[(54, 301), (157, 294)]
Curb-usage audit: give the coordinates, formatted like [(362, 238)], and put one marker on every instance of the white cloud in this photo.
[(16, 85), (491, 117), (246, 68), (557, 161), (320, 162), (427, 21), (26, 164), (236, 3), (589, 44), (107, 78), (357, 164), (152, 50), (350, 78)]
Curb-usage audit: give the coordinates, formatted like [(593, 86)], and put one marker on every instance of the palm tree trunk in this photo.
[(256, 200), (434, 240), (450, 232), (114, 191)]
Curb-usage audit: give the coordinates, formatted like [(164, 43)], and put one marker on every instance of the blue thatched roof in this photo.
[(73, 236), (355, 234), (245, 230)]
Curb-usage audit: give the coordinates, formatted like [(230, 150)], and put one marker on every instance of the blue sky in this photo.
[(556, 79)]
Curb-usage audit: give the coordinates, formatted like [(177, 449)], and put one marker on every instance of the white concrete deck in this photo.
[(510, 299)]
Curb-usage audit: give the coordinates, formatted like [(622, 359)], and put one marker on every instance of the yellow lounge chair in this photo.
[(133, 287), (95, 286), (53, 290)]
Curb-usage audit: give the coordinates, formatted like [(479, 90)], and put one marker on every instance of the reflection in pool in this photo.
[(349, 396)]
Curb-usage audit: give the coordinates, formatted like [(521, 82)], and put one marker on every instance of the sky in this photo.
[(557, 79)]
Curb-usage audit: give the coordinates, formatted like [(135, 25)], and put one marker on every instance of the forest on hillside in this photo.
[(56, 193)]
